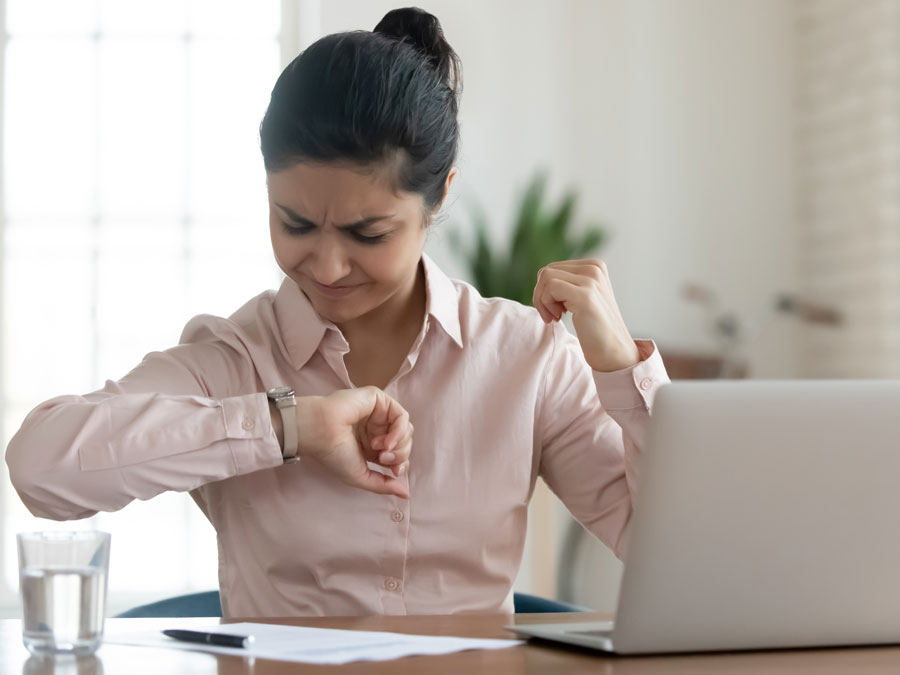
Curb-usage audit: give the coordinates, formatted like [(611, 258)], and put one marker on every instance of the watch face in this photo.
[(279, 392)]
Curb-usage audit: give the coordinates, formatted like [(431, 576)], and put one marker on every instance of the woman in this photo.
[(359, 143)]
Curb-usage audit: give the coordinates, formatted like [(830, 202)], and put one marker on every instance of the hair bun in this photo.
[(423, 31)]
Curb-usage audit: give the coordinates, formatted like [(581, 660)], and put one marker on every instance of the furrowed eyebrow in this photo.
[(358, 225)]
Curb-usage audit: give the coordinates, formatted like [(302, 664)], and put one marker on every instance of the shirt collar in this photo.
[(303, 330), (442, 299)]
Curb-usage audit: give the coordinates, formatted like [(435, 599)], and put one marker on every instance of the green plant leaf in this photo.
[(539, 236), (559, 223), (592, 240)]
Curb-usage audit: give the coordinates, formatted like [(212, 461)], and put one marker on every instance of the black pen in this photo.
[(218, 639)]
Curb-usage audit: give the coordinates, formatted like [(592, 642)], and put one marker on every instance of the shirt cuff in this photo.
[(633, 387), (248, 426)]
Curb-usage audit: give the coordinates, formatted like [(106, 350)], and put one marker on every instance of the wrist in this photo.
[(620, 360), (307, 416)]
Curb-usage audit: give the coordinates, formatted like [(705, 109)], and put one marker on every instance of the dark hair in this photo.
[(390, 95)]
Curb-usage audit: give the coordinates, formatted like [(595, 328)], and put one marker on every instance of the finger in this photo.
[(383, 485), (362, 436), (370, 444), (581, 275), (596, 288), (558, 292), (545, 315), (391, 445), (382, 409), (548, 298), (399, 428), (557, 309), (361, 408), (396, 456), (587, 278), (548, 313), (400, 452), (397, 461), (583, 264), (586, 271), (537, 284)]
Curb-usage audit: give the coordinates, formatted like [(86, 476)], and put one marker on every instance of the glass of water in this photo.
[(63, 580)]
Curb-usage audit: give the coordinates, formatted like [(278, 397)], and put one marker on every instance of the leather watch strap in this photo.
[(288, 408), (286, 402)]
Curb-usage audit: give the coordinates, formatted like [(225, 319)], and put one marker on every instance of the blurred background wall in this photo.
[(675, 121), (848, 155), (748, 146)]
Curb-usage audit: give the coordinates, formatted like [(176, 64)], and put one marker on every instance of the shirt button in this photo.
[(645, 383), (391, 584), (397, 516), (248, 424)]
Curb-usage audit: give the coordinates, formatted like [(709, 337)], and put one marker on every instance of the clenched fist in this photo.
[(583, 288)]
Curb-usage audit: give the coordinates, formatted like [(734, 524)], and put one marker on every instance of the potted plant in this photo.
[(542, 233)]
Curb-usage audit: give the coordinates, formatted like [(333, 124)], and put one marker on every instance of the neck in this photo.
[(401, 313)]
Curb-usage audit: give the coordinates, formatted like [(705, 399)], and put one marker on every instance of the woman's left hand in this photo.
[(583, 288)]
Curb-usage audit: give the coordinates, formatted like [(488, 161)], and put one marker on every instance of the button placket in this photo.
[(396, 551)]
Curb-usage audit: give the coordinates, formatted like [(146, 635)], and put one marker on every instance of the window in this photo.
[(133, 198)]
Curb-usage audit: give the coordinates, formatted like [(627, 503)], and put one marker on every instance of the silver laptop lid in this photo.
[(768, 516)]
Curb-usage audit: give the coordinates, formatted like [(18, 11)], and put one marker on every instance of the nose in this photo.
[(329, 261)]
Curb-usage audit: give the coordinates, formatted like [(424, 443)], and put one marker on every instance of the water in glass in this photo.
[(63, 608)]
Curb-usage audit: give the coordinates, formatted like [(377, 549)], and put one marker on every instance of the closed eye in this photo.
[(297, 229), (301, 229), (366, 238)]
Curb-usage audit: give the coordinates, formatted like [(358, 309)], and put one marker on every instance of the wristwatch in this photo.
[(283, 398)]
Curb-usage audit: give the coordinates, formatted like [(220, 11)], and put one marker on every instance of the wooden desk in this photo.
[(531, 659)]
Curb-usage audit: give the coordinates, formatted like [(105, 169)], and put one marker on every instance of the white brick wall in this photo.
[(848, 112)]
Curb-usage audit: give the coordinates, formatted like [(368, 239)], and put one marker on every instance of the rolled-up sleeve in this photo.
[(154, 430), (591, 429)]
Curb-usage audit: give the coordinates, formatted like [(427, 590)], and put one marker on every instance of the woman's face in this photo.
[(345, 236)]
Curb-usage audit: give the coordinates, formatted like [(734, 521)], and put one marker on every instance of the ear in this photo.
[(447, 184)]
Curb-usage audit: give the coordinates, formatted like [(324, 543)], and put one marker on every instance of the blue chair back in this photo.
[(534, 604), (208, 603)]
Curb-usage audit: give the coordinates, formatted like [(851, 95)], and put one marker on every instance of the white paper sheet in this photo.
[(314, 645)]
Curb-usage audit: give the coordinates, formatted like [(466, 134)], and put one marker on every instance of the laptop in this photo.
[(768, 516)]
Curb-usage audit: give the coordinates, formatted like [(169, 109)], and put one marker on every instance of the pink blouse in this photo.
[(497, 399)]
